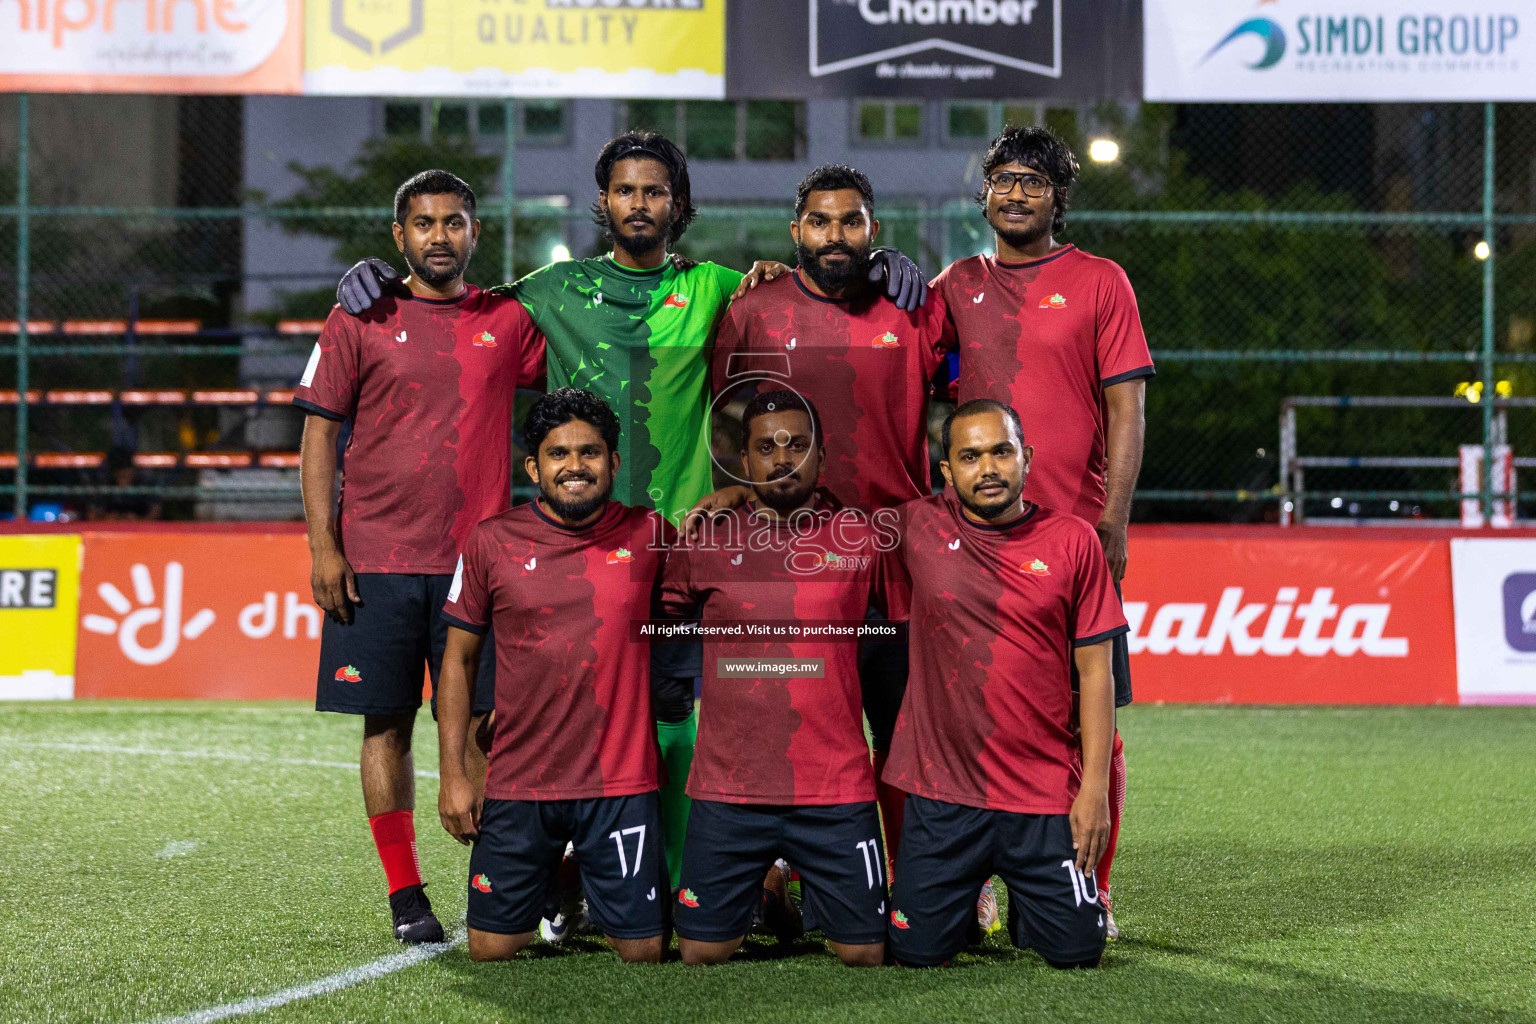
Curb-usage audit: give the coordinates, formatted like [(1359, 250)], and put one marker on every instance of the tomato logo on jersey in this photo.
[(886, 340), (485, 339), (481, 883), (1035, 568), (1056, 301), (348, 674), (688, 899), (900, 920), (676, 301), (620, 555)]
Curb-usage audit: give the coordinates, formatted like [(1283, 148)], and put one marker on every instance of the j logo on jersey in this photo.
[(676, 301), (400, 337), (1056, 301), (886, 340), (618, 555), (1035, 567), (979, 297), (790, 344), (485, 339), (532, 563), (954, 545)]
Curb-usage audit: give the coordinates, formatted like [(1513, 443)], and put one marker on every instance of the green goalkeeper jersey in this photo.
[(641, 339)]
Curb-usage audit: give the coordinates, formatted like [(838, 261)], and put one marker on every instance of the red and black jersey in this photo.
[(573, 701), (995, 612), (428, 385), (865, 364), (1047, 337), (767, 739)]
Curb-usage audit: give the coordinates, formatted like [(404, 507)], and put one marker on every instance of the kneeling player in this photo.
[(997, 782), (573, 758), (781, 768)]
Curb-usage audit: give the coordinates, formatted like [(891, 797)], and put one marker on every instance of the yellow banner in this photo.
[(617, 48), (39, 597)]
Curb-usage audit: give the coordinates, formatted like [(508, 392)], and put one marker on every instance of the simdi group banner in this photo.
[(39, 592), (1339, 50), (1249, 618), (656, 48), (1081, 50), (1495, 588), (146, 46)]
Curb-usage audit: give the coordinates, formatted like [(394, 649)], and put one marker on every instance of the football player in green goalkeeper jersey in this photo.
[(636, 326)]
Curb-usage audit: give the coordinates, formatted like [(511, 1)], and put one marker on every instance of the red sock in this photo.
[(394, 834), (892, 802), (1116, 806)]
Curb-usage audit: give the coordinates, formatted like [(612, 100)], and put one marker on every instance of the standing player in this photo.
[(559, 581), (1008, 599), (1054, 332), (825, 333), (427, 382), (782, 767), (636, 326)]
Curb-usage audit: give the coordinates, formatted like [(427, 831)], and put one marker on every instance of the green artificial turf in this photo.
[(1276, 865)]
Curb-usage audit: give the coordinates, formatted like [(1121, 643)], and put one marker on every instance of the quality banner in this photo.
[(197, 616), (39, 591), (1274, 618), (178, 46), (1339, 50), (557, 48)]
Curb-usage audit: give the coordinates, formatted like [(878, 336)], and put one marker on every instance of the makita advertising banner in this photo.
[(1267, 616), (1078, 50), (1340, 50)]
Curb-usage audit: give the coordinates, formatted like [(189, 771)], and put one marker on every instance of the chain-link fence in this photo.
[(157, 307)]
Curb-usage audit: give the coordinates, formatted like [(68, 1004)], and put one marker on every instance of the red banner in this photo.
[(197, 615), (1265, 616)]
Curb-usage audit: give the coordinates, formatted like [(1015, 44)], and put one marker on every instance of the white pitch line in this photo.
[(332, 983), (212, 755)]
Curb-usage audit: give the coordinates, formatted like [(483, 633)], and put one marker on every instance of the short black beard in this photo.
[(1019, 239), (991, 512), (438, 278), (833, 282), (634, 246), (574, 511), (783, 500)]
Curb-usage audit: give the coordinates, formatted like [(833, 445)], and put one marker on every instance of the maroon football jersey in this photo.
[(1047, 337), (864, 364), (428, 385), (573, 690), (995, 612), (768, 739)]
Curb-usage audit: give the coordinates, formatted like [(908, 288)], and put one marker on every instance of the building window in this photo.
[(539, 122), (889, 121), (969, 122), (728, 130)]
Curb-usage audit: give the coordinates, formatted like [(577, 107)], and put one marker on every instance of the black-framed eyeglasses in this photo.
[(1002, 182)]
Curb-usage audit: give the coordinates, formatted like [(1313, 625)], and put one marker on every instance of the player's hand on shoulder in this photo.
[(904, 281), (458, 808), (362, 285), (711, 505), (682, 262), (334, 585), (762, 270)]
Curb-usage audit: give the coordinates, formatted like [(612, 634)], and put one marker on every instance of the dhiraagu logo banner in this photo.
[(618, 48), (1340, 50), (39, 596)]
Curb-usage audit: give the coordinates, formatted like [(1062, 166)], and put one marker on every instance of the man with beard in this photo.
[(636, 326), (427, 383), (824, 332), (1054, 332), (573, 759), (782, 767), (1008, 600)]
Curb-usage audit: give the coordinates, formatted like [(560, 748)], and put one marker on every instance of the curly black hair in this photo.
[(833, 178), (657, 147), (775, 401), (432, 183), (563, 405), (976, 405), (1041, 149)]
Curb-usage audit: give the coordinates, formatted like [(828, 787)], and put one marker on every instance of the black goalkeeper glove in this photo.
[(361, 286), (905, 284)]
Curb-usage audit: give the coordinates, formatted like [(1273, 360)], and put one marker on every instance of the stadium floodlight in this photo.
[(1481, 250), (560, 253), (1104, 151)]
